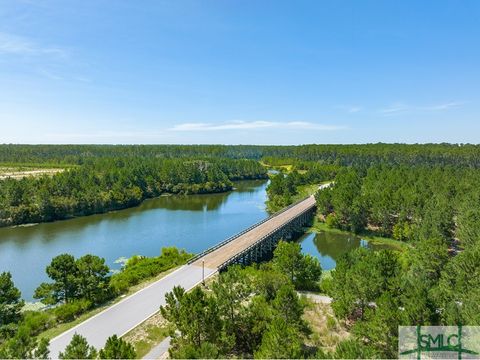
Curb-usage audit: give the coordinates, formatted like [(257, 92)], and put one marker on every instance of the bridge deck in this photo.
[(219, 256)]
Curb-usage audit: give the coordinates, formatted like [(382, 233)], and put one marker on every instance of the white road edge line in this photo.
[(118, 303), (149, 316)]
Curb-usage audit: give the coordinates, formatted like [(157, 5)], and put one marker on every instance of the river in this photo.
[(193, 223)]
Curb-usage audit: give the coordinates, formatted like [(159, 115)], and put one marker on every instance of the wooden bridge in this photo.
[(258, 241)]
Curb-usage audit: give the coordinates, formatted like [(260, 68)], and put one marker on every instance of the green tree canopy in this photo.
[(85, 278), (360, 277), (23, 345), (117, 348), (10, 303), (304, 271), (63, 271), (92, 279), (197, 318), (78, 348), (281, 340)]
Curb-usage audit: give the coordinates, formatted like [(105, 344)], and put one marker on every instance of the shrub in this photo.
[(331, 221), (37, 321), (69, 311), (140, 268)]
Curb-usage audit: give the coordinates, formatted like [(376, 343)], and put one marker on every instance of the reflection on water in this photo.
[(206, 202), (186, 202), (190, 222), (329, 247)]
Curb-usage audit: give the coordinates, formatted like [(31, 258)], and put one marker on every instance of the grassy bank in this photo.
[(148, 334), (326, 330)]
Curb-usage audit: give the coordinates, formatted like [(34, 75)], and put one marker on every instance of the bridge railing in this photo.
[(240, 254), (219, 245)]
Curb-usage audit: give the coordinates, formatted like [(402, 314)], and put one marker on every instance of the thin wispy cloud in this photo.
[(351, 109), (444, 106), (250, 125), (18, 45), (398, 108), (395, 109), (49, 74), (50, 62)]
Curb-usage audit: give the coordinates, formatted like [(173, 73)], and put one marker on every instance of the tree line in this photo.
[(104, 184), (466, 155), (434, 281), (405, 203)]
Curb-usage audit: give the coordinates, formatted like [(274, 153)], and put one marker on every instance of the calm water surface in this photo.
[(190, 222), (329, 247)]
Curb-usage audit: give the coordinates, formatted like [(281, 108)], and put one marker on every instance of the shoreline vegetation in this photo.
[(142, 202), (101, 185), (61, 328), (80, 289)]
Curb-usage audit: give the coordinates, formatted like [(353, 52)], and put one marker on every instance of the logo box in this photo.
[(439, 342)]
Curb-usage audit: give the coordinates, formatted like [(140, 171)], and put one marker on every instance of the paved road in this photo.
[(131, 311), (159, 351)]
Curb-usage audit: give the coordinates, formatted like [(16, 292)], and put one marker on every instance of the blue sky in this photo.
[(225, 71)]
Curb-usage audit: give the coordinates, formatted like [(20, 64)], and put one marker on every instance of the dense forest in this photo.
[(99, 178), (103, 184), (346, 155), (406, 203), (435, 210)]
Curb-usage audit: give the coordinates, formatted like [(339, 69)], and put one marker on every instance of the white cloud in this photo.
[(444, 106), (354, 109), (246, 125), (395, 109), (49, 74), (19, 45), (351, 109), (399, 107)]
